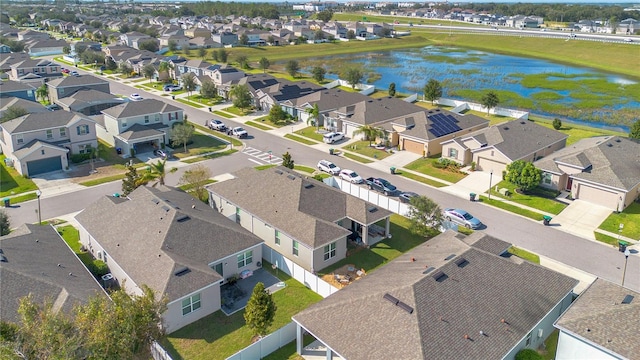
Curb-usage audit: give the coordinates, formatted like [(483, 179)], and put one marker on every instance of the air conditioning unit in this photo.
[(540, 333), (99, 255)]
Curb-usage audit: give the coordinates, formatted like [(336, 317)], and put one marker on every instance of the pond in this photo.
[(539, 86)]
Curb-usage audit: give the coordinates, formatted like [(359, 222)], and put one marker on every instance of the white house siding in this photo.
[(104, 135), (37, 154), (46, 51), (209, 303), (571, 347)]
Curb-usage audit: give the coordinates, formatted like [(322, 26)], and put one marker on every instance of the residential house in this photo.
[(89, 102), (197, 32), (628, 26), (444, 299), (225, 38), (194, 66), (36, 261), (9, 89), (46, 47), (301, 219), (181, 41), (4, 49), (283, 91), (357, 27), (86, 45), (603, 170), (600, 324), (495, 147), (178, 246), (224, 78), (254, 82), (28, 105), (203, 42), (254, 37), (69, 85), (28, 34), (6, 60), (138, 126), (42, 142), (133, 39), (327, 100), (43, 69)]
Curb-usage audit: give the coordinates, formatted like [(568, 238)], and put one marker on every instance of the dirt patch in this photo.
[(344, 276), (81, 173)]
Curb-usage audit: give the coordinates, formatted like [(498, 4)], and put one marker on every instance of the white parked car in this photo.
[(329, 167), (351, 176), (239, 132), (332, 137), (135, 97)]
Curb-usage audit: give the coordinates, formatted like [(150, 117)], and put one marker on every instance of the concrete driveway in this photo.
[(581, 218), (477, 182)]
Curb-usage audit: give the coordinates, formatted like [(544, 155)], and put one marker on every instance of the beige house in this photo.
[(302, 219), (42, 142), (69, 85), (197, 32), (42, 68), (495, 147), (604, 170), (182, 42), (179, 247)]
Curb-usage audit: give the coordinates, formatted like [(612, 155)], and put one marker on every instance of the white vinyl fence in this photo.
[(374, 197), (158, 353), (267, 344), (459, 105), (297, 272), (365, 89)]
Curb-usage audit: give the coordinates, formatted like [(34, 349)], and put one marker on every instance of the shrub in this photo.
[(78, 158), (557, 124), (99, 268), (528, 354)]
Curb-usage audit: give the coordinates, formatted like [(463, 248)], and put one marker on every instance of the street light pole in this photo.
[(490, 179), (626, 258), (38, 193)]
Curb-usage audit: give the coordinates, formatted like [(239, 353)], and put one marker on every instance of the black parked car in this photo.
[(405, 197)]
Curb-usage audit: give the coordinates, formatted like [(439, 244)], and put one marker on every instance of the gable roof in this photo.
[(433, 124), (608, 160), (372, 111), (467, 291), (28, 105), (599, 317), (14, 86), (330, 99), (41, 121), (163, 229), (305, 209), (39, 262), (83, 98), (137, 108), (82, 80)]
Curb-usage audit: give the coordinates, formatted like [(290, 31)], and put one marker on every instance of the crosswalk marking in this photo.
[(261, 155)]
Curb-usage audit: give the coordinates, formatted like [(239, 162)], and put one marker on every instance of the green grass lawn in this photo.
[(356, 158), (512, 208), (363, 148), (425, 166), (236, 111), (190, 103), (202, 144), (288, 352), (204, 101), (538, 198), (218, 336), (264, 167), (606, 239), (381, 253), (551, 345), (224, 114), (630, 217), (303, 168), (575, 132), (230, 139), (210, 156), (72, 237), (258, 125), (311, 133), (300, 139), (267, 121), (524, 254), (421, 179), (12, 182), (493, 119)]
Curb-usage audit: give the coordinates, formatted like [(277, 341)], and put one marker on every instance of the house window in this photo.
[(42, 152), (157, 117), (277, 237), (245, 259), (146, 119), (546, 178), (84, 148), (238, 215), (63, 132), (49, 134), (453, 153), (83, 129), (61, 92), (190, 304), (528, 341), (219, 268), (169, 116), (295, 248), (19, 139), (124, 124), (329, 251), (30, 93)]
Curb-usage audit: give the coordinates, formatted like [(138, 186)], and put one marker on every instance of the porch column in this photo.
[(329, 354), (387, 230), (298, 339), (365, 234)]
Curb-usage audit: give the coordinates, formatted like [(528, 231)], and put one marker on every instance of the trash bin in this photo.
[(546, 219), (622, 245), (392, 170), (472, 197), (210, 109), (173, 97), (331, 151), (119, 151), (7, 202)]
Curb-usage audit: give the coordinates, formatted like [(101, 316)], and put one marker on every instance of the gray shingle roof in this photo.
[(39, 263), (608, 160), (359, 323), (372, 111), (139, 131), (28, 105), (137, 108), (69, 81), (12, 86), (308, 214), (39, 121), (330, 99), (599, 316), (149, 242), (423, 121), (35, 144)]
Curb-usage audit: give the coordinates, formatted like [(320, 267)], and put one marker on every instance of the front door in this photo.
[(569, 184)]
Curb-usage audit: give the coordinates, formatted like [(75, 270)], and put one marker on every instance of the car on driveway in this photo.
[(135, 97), (332, 137), (171, 87), (329, 167), (351, 176), (405, 197), (65, 71), (215, 124), (239, 132), (161, 153), (462, 217)]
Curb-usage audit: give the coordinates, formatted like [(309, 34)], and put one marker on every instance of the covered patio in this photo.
[(234, 296)]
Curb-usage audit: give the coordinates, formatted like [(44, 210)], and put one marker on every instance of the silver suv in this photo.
[(329, 167)]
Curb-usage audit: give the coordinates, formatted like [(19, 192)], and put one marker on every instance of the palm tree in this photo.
[(155, 171), (370, 133), (164, 68), (43, 92), (314, 114), (189, 82)]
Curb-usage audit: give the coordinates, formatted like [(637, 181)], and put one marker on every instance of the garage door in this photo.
[(487, 165), (598, 196), (42, 166), (413, 146)]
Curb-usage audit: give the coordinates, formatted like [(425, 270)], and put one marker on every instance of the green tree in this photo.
[(173, 46), (425, 216), (243, 39), (292, 67), (125, 69), (634, 130), (260, 310), (208, 89), (195, 179), (181, 134), (188, 82), (5, 225), (155, 172), (557, 124), (324, 15), (223, 55), (370, 133), (149, 71), (13, 112), (351, 34), (489, 100), (131, 181), (432, 90), (111, 65), (318, 35), (164, 68), (202, 53), (353, 76), (66, 49), (243, 61), (314, 115), (42, 92), (523, 174), (392, 89), (318, 73), (149, 45), (277, 114), (241, 96), (264, 64), (287, 161)]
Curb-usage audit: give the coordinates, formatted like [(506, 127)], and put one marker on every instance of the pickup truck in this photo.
[(381, 185)]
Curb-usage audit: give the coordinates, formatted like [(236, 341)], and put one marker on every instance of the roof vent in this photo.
[(155, 201), (618, 140), (405, 307), (429, 269), (292, 177), (372, 209), (461, 262), (279, 172), (3, 258), (440, 276), (609, 144), (165, 208), (308, 186), (450, 257), (506, 128), (391, 299), (522, 122), (183, 218), (627, 299), (181, 271)]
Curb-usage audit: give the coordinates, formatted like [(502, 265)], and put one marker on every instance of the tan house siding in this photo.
[(209, 303), (340, 253), (460, 154), (413, 146)]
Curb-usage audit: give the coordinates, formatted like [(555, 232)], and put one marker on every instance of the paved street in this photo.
[(590, 256)]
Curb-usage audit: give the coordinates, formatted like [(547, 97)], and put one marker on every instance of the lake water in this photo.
[(572, 93)]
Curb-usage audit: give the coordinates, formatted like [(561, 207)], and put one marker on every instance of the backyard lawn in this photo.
[(72, 237), (363, 148), (202, 144), (311, 133), (630, 217), (538, 198), (575, 132), (218, 336), (12, 182), (425, 166)]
